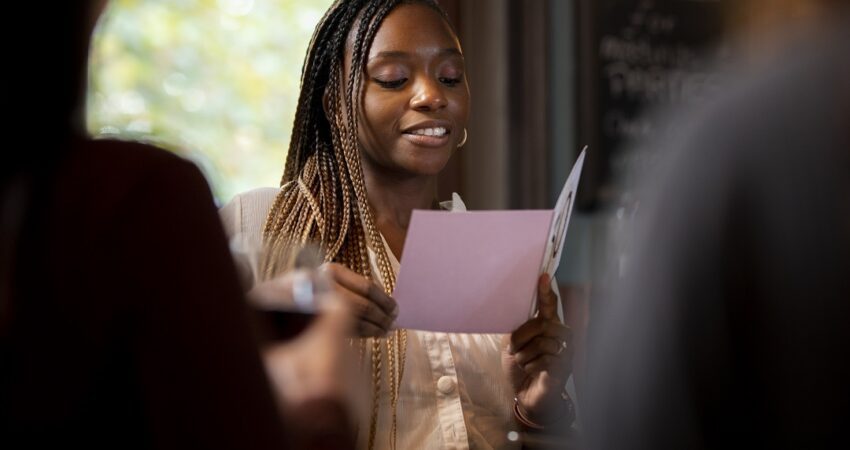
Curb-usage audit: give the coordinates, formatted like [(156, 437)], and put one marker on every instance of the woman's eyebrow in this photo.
[(396, 54), (390, 54), (450, 52)]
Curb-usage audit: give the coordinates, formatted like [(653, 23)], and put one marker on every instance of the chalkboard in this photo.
[(636, 56)]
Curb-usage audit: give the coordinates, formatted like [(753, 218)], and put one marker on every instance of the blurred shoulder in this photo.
[(246, 212), (260, 197), (100, 177), (128, 161)]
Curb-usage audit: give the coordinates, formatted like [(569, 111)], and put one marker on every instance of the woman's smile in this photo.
[(428, 134)]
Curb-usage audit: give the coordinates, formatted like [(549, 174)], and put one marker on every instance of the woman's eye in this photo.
[(449, 81), (390, 84)]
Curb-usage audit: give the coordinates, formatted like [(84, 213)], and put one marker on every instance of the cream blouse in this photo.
[(454, 394)]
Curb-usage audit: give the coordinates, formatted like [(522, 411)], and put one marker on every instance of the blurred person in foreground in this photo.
[(731, 326), (122, 321)]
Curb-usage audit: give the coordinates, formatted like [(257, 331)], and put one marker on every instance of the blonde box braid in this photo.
[(323, 196)]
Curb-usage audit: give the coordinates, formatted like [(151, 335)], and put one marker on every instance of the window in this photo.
[(215, 81)]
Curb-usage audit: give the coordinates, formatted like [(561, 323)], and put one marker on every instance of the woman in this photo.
[(384, 104)]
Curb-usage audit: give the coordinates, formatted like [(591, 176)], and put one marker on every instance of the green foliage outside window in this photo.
[(215, 81)]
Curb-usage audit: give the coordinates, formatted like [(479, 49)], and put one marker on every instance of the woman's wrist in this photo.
[(561, 415), (522, 417)]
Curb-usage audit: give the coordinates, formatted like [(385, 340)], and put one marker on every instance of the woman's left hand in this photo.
[(537, 357)]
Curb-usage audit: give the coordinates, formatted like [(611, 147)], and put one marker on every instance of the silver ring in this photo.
[(562, 347), (302, 291)]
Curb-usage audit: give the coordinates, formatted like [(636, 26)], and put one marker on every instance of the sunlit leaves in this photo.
[(213, 80)]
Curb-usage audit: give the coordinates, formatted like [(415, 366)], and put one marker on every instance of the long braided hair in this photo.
[(323, 196)]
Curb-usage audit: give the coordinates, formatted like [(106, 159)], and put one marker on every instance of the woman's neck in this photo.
[(393, 199)]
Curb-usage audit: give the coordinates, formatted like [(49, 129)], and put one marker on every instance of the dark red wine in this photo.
[(278, 326)]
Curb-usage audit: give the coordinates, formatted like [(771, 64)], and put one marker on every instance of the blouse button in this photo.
[(446, 385)]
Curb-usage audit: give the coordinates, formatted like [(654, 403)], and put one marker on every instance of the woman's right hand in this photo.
[(374, 310)]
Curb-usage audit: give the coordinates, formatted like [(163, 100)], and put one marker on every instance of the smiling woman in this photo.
[(384, 105), (212, 80)]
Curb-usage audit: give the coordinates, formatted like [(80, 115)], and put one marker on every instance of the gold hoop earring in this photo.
[(463, 142)]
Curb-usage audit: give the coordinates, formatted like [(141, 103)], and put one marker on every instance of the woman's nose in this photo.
[(429, 96)]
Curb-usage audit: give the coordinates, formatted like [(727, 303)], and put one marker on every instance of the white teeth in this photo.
[(438, 131)]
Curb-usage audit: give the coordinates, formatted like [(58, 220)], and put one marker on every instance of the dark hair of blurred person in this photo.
[(730, 328), (122, 323)]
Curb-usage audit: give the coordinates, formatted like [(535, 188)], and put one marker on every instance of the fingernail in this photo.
[(395, 311)]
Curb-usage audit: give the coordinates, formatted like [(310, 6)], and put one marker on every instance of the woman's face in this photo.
[(415, 102)]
